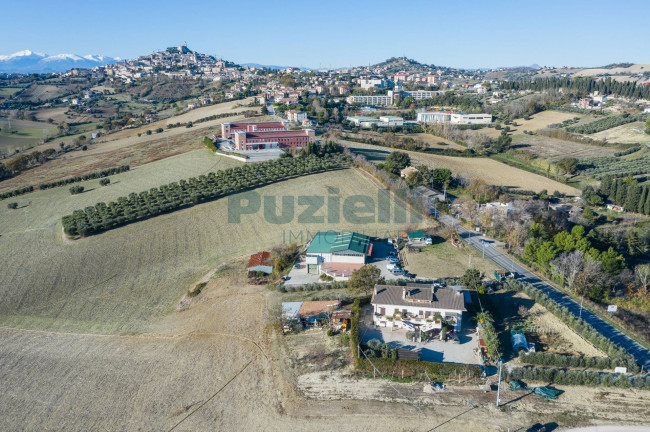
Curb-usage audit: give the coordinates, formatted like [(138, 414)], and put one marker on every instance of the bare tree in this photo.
[(642, 273)]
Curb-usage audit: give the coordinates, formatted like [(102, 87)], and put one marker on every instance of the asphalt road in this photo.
[(641, 354)]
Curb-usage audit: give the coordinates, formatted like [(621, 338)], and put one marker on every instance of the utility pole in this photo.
[(499, 385)]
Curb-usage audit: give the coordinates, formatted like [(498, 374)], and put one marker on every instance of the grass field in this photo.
[(119, 280), (493, 172), (9, 91), (536, 121), (627, 133), (442, 260), (22, 135)]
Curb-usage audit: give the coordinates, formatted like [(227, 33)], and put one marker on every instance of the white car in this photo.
[(391, 266)]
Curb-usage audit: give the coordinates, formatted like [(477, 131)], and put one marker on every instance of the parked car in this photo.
[(393, 260), (398, 271), (391, 266), (392, 253)]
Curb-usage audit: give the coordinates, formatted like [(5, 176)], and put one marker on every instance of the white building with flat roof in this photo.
[(451, 117), (376, 100), (391, 121)]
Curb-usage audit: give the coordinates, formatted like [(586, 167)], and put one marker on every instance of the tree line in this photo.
[(16, 192), (582, 86), (574, 377), (174, 196), (560, 360), (94, 175)]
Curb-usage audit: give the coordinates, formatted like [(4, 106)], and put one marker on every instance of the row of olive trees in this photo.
[(90, 176), (174, 196)]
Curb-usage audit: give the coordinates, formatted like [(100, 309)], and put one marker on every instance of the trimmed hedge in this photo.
[(574, 377), (559, 360), (91, 176), (16, 192), (415, 370), (621, 357), (174, 196)]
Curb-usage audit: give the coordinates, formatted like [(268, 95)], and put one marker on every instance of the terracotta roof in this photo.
[(420, 295), (313, 308), (260, 258)]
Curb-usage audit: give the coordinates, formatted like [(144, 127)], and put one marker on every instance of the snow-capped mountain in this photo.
[(33, 62)]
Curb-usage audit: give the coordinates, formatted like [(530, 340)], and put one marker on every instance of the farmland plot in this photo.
[(629, 133), (493, 172), (553, 149), (120, 280)]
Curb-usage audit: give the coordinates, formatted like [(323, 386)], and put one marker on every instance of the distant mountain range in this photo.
[(33, 62)]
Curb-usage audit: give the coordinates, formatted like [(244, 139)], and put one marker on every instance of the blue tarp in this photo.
[(518, 341)]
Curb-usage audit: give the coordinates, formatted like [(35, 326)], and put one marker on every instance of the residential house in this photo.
[(424, 307)]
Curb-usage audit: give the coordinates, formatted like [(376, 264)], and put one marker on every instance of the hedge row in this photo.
[(560, 360), (16, 192), (605, 123), (621, 357), (417, 370), (94, 175), (185, 193), (355, 341), (574, 377)]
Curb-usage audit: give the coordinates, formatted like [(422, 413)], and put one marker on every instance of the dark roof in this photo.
[(260, 258), (405, 354), (419, 295)]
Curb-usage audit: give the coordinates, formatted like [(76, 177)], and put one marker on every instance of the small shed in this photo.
[(342, 318), (260, 262)]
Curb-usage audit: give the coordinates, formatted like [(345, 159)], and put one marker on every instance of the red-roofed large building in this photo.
[(229, 129), (273, 139)]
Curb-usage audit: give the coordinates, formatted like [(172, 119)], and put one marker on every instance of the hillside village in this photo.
[(398, 236)]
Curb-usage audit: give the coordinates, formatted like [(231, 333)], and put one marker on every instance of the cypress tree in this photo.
[(641, 206), (646, 209), (606, 185), (620, 192), (632, 198)]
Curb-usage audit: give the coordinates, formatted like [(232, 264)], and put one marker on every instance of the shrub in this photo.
[(74, 190), (104, 181), (12, 205)]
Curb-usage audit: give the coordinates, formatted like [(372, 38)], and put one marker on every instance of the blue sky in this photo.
[(339, 33)]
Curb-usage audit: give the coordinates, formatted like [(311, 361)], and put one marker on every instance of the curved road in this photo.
[(641, 354)]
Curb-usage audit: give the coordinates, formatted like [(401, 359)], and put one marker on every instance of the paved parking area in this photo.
[(379, 258), (435, 351)]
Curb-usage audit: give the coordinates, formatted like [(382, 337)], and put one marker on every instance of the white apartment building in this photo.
[(372, 83), (378, 100), (296, 116), (422, 94)]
